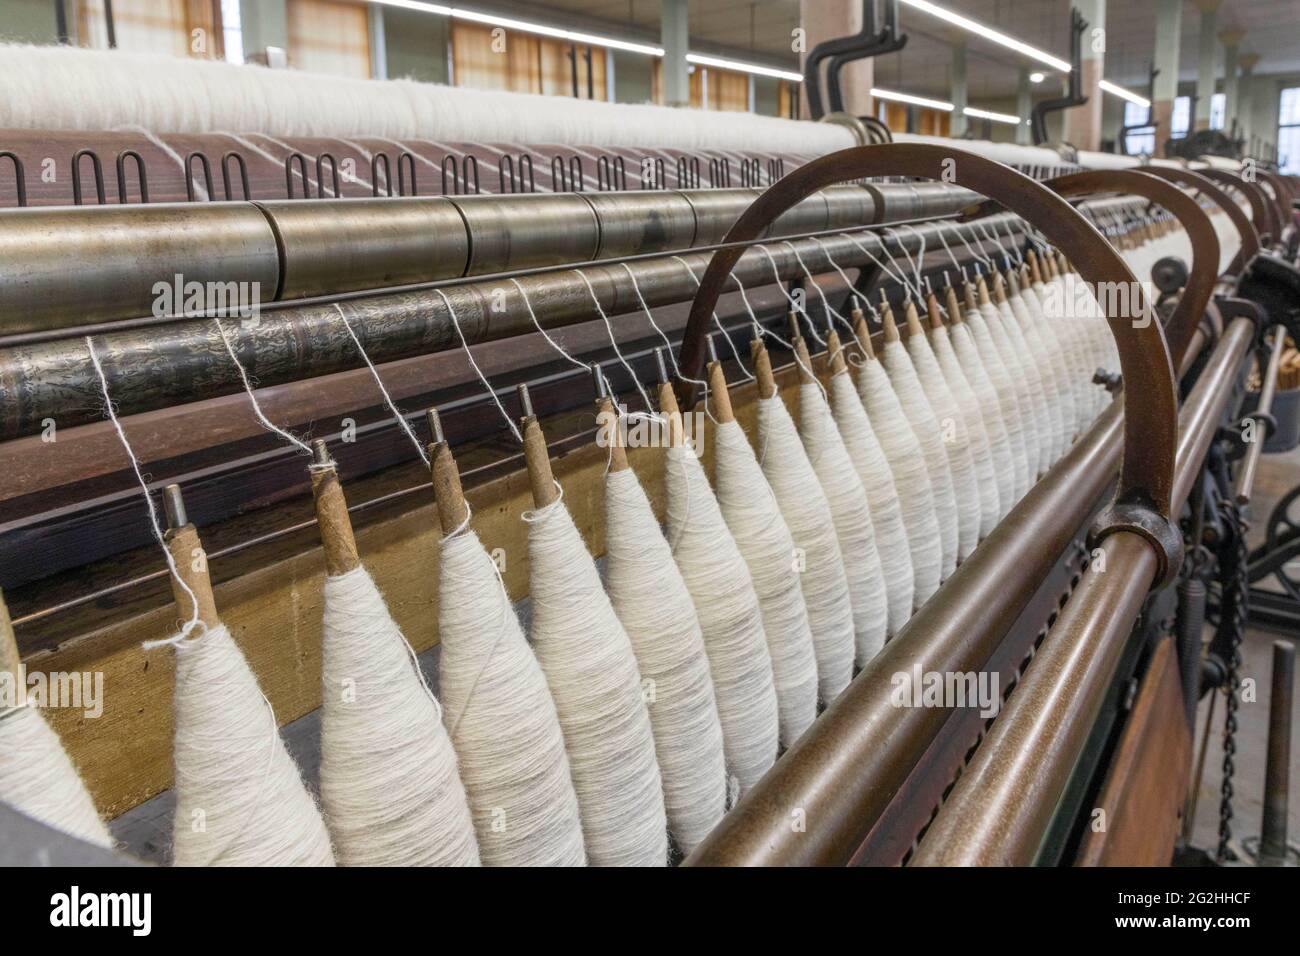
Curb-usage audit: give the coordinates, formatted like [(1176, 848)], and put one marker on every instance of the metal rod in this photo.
[(1267, 388), (1273, 832), (174, 508), (1000, 808)]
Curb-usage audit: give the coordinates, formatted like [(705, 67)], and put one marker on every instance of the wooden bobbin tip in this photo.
[(762, 369), (536, 455), (913, 319), (609, 433), (887, 320), (337, 540), (191, 562), (669, 410), (722, 409), (932, 311), (863, 334), (448, 495), (835, 353), (804, 362)]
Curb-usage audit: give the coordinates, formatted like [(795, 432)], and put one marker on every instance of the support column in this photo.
[(1209, 48), (957, 127), (1024, 108), (821, 20), (1246, 99), (674, 20), (1231, 44), (378, 44), (1083, 123), (1169, 31)]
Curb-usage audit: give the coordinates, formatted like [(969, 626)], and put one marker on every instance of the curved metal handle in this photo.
[(1260, 211), (1205, 243), (1150, 421), (1194, 180)]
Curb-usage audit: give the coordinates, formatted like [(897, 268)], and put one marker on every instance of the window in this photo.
[(326, 36), (492, 58), (1142, 137), (1182, 117), (175, 27), (1218, 103), (231, 32), (1288, 132)]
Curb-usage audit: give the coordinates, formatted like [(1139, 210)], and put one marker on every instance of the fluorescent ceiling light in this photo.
[(990, 115), (722, 64), (1124, 94), (1037, 77), (979, 29), (909, 98)]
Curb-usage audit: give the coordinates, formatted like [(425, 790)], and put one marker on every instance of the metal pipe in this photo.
[(1263, 411), (185, 360), (843, 772), (1005, 798), (295, 249), (1272, 839), (1000, 808)]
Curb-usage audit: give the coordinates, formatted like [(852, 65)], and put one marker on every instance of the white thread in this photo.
[(587, 658), (654, 605), (851, 515), (1008, 403), (668, 345), (510, 422), (1041, 357), (188, 627), (609, 327), (248, 387), (240, 800), (807, 513), (1034, 391), (911, 479), (374, 372), (37, 777), (754, 519), (390, 786), (718, 322), (919, 414), (730, 619), (501, 718), (1060, 363)]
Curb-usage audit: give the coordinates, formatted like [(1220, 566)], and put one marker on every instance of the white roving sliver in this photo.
[(754, 519), (37, 777), (911, 481), (240, 800), (730, 618), (389, 784), (851, 515), (592, 673), (502, 721), (808, 516), (882, 496), (967, 407), (651, 599), (920, 416), (956, 438)]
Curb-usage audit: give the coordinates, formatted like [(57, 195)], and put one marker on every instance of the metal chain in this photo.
[(1232, 620)]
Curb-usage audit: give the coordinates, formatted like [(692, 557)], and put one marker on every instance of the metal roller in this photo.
[(349, 244), (121, 254)]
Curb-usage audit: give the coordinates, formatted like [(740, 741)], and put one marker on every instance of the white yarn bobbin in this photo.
[(730, 617), (754, 519), (807, 513), (920, 416), (654, 605), (592, 673), (502, 720), (1008, 404), (390, 785), (851, 514), (990, 408), (954, 434)]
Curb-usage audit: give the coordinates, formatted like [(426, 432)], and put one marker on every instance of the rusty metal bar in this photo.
[(1273, 830), (1000, 808), (1262, 413)]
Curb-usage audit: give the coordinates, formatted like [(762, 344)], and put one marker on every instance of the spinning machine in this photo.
[(885, 541)]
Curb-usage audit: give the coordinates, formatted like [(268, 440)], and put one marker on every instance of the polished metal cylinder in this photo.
[(65, 265)]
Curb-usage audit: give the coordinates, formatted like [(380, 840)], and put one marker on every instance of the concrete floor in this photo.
[(1278, 474)]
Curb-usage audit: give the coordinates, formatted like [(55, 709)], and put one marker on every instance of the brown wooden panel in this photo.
[(1147, 781)]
